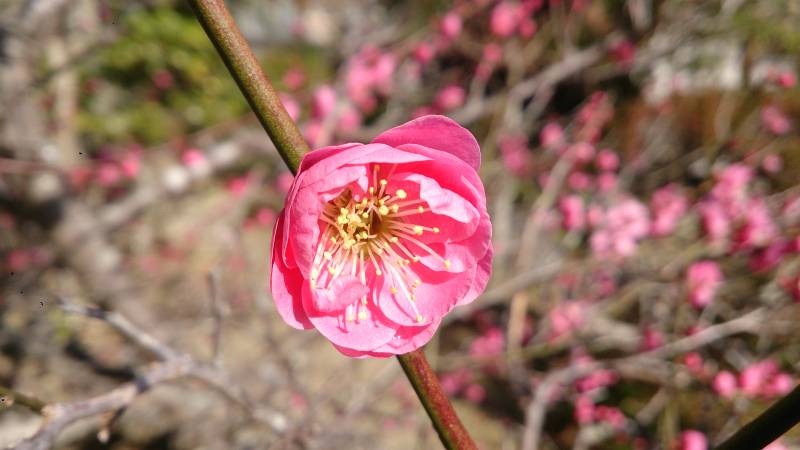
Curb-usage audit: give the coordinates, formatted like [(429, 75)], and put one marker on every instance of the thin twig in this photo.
[(124, 327), (13, 397), (443, 417), (216, 314)]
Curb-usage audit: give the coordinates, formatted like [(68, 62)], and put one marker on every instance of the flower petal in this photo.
[(285, 285), (343, 291), (436, 132), (359, 334), (483, 271)]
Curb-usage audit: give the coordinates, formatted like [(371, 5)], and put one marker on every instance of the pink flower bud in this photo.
[(450, 97), (693, 440), (703, 279), (450, 26), (504, 19), (724, 384)]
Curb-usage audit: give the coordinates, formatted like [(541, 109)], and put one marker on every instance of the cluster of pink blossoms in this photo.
[(377, 242), (761, 379)]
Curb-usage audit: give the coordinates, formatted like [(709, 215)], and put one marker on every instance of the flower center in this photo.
[(372, 231)]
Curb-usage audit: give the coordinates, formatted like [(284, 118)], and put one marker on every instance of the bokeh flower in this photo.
[(377, 242)]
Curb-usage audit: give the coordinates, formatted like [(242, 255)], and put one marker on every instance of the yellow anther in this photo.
[(328, 256), (349, 316), (378, 272), (415, 258), (331, 270), (333, 239), (314, 273), (379, 251), (371, 189), (383, 182), (395, 208), (412, 297), (313, 284), (419, 318), (381, 201), (417, 229), (344, 211), (383, 210), (401, 194), (417, 281), (447, 263), (420, 209), (354, 219), (393, 239), (365, 215), (393, 290), (436, 229), (407, 261), (364, 203), (363, 314), (364, 300)]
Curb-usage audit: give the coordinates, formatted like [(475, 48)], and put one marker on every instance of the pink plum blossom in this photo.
[(693, 440), (772, 163), (566, 318), (786, 79), (551, 136), (622, 226), (668, 206), (606, 181), (651, 339), (369, 72), (377, 242), (475, 393), (423, 53), (515, 154), (694, 362), (323, 101), (527, 28), (607, 160), (450, 97), (774, 120), (490, 343), (131, 164), (623, 52), (505, 18), (193, 157), (584, 410), (349, 120), (703, 278), (725, 384), (754, 377), (611, 416), (294, 78), (582, 152), (450, 25), (108, 174), (572, 212)]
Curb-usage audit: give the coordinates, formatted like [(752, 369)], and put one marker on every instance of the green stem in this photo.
[(231, 45), (767, 427), (451, 431), (245, 69)]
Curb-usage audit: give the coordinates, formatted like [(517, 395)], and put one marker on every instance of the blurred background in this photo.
[(641, 161)]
